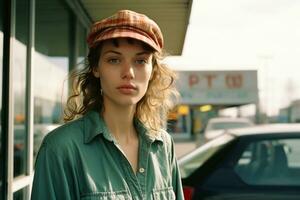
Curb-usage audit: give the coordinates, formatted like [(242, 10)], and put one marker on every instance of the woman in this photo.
[(114, 147)]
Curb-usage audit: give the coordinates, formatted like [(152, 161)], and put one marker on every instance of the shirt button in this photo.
[(141, 170)]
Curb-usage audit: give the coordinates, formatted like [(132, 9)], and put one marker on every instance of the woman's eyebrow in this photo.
[(111, 51), (119, 53), (143, 53)]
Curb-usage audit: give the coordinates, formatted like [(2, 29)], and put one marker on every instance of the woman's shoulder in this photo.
[(164, 134), (166, 137), (168, 144), (65, 134)]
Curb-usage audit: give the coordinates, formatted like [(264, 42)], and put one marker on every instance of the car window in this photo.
[(270, 162), (189, 163)]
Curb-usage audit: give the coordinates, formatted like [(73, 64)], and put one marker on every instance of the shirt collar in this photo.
[(94, 125), (149, 135)]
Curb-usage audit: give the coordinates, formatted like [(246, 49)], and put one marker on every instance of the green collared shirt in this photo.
[(81, 160)]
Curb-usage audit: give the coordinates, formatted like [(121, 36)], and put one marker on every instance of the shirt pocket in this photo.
[(163, 194), (118, 195)]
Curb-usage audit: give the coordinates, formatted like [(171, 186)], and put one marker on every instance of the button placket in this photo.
[(143, 164), (130, 176)]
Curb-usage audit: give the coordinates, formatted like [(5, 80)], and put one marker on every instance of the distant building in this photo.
[(204, 93), (291, 113)]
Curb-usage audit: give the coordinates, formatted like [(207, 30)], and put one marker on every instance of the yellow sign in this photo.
[(183, 110), (205, 108)]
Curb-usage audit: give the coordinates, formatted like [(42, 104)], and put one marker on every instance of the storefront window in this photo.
[(1, 68), (19, 86), (20, 194), (81, 45), (51, 66)]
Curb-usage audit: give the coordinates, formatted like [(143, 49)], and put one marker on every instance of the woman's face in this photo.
[(124, 71)]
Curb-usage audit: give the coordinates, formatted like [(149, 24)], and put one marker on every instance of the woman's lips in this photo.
[(127, 89)]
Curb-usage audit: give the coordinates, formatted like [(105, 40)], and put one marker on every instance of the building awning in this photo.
[(171, 15)]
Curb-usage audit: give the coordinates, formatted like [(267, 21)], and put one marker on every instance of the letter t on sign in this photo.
[(209, 78)]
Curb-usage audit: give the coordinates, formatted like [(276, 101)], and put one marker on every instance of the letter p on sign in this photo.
[(193, 80)]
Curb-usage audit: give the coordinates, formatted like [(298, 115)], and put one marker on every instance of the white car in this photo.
[(217, 126), (254, 163)]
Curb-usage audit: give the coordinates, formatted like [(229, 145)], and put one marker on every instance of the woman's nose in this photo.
[(128, 71)]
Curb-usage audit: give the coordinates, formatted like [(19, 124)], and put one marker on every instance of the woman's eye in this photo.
[(113, 60), (141, 61)]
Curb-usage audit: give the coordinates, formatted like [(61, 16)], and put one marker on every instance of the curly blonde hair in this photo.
[(152, 109)]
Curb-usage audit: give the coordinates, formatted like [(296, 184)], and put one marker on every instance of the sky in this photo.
[(247, 34)]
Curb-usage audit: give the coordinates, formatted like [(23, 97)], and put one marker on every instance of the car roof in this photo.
[(228, 119), (266, 129)]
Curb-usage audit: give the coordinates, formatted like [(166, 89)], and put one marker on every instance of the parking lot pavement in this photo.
[(183, 147)]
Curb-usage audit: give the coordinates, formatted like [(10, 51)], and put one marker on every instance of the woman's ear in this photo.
[(96, 72)]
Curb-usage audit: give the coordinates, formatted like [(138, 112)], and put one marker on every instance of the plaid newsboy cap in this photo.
[(126, 23)]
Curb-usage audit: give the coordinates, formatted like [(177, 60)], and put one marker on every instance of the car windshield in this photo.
[(192, 161), (228, 125)]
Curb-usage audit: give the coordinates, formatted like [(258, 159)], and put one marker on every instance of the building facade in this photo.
[(41, 41)]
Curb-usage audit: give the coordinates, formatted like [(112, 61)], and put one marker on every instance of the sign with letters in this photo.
[(218, 87)]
